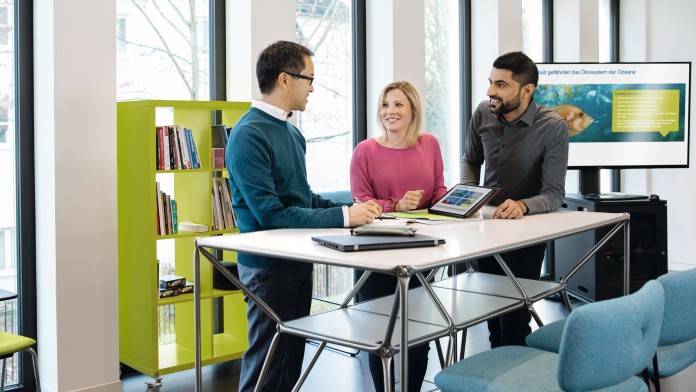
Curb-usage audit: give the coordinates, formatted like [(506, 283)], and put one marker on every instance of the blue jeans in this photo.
[(288, 291)]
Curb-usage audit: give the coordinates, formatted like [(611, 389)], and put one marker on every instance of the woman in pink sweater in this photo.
[(401, 170)]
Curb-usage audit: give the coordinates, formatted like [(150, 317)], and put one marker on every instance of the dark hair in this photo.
[(523, 69), (280, 56)]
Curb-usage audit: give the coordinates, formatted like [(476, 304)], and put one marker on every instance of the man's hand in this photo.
[(409, 202), (510, 209), (364, 213)]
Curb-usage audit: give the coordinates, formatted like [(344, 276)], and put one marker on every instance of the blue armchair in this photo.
[(603, 345), (676, 349)]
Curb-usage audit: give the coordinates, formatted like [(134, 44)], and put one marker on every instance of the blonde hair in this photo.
[(414, 128)]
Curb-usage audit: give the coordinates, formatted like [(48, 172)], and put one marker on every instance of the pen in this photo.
[(358, 201)]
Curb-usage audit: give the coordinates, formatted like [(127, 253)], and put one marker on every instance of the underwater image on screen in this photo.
[(618, 112)]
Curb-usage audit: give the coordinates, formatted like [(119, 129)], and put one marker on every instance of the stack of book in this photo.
[(222, 212), (166, 213), (176, 148), (173, 285), (219, 143)]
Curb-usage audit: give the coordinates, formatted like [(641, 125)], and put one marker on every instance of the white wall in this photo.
[(669, 27), (75, 137)]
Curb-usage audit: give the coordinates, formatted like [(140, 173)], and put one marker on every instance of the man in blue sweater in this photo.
[(265, 158)]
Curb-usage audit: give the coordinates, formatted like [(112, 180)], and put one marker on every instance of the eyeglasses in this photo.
[(310, 78)]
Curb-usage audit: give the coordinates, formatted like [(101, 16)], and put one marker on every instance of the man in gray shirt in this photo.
[(524, 147)]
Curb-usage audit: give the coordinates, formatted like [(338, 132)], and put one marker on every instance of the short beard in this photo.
[(507, 107)]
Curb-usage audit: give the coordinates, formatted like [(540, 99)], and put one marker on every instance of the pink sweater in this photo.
[(385, 174)]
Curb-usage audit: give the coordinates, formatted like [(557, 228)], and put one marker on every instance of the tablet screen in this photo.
[(463, 200)]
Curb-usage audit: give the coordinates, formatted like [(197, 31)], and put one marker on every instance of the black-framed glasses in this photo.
[(310, 78)]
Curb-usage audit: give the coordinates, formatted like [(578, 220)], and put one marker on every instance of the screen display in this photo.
[(463, 200), (621, 115)]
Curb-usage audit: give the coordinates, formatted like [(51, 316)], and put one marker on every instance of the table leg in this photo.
[(197, 317), (404, 278)]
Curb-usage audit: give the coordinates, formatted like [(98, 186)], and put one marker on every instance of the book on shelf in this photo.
[(218, 157), (219, 143), (159, 162), (175, 224), (176, 148), (193, 150), (166, 213), (192, 227), (222, 212)]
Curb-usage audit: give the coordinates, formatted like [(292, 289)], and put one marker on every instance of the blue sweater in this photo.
[(265, 158)]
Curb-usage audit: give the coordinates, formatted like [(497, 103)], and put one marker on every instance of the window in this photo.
[(9, 185), (532, 29), (5, 26), (164, 56), (442, 80), (121, 34), (324, 26)]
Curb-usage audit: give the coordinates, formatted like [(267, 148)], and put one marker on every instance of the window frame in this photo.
[(25, 172)]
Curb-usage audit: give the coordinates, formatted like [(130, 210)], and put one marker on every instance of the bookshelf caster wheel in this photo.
[(154, 386)]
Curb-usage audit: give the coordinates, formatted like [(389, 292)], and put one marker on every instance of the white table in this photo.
[(439, 309)]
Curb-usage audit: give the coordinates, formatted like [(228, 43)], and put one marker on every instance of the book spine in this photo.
[(160, 211), (165, 147), (160, 149), (192, 149), (175, 223), (184, 147), (167, 213), (177, 152)]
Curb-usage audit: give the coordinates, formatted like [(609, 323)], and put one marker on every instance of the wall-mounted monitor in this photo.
[(621, 115)]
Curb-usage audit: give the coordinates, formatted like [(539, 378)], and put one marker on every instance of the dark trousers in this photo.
[(512, 328), (288, 291), (379, 285)]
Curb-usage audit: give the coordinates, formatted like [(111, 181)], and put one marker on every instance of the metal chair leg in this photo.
[(35, 360), (2, 385), (656, 374)]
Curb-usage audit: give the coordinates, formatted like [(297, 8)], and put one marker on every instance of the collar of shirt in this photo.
[(271, 110), (527, 117)]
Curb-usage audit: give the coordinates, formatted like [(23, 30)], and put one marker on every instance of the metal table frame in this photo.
[(453, 299)]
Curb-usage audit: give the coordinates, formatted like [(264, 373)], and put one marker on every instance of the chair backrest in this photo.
[(607, 342), (679, 320)]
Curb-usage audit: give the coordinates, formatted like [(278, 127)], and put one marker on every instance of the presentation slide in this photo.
[(620, 114)]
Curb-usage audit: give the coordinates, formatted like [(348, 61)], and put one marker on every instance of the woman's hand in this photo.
[(409, 202)]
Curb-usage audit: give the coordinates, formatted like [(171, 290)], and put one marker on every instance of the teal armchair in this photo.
[(603, 346)]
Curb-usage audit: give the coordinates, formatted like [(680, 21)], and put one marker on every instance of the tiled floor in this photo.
[(333, 371)]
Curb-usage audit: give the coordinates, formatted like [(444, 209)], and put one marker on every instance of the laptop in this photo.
[(353, 243)]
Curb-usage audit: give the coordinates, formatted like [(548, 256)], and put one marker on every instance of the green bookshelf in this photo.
[(140, 324)]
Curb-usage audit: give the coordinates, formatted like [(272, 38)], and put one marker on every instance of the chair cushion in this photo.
[(512, 369), (11, 343)]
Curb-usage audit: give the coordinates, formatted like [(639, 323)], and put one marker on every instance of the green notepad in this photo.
[(423, 215)]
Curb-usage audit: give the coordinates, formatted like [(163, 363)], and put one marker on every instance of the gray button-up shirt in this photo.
[(527, 159)]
